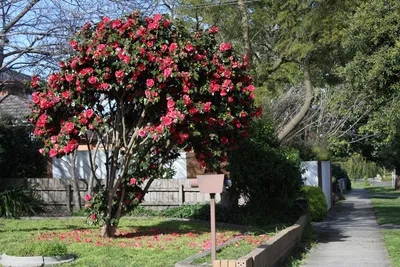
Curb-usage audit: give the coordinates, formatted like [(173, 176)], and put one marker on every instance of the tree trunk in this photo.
[(308, 99), (76, 196), (108, 230), (397, 183), (245, 31)]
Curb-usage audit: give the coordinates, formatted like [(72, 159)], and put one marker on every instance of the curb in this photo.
[(187, 262), (35, 261)]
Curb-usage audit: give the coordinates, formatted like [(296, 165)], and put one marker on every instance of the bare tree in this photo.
[(34, 34)]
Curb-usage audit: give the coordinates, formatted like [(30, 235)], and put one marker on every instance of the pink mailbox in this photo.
[(211, 183)]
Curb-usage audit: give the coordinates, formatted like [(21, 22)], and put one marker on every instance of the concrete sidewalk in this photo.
[(349, 236)]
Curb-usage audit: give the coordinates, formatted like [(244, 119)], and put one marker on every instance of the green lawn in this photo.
[(140, 242), (388, 212)]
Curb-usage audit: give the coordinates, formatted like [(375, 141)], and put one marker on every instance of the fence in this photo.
[(161, 194)]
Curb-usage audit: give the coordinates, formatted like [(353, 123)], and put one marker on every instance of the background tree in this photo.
[(143, 87), (371, 75), (34, 34)]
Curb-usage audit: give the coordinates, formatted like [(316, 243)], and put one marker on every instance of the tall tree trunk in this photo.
[(108, 230), (308, 99), (76, 196), (245, 31)]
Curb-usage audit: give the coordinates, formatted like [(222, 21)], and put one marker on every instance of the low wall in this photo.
[(162, 193), (270, 253)]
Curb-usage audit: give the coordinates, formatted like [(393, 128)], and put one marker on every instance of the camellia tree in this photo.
[(137, 90)]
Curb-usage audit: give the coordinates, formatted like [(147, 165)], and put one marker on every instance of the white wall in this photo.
[(310, 177), (310, 172), (326, 181), (61, 166)]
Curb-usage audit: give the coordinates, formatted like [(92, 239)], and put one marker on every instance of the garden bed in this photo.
[(139, 241)]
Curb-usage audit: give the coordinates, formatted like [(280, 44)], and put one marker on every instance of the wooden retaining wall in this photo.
[(273, 251), (162, 193)]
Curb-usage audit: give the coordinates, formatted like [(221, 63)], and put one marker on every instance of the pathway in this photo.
[(349, 236)]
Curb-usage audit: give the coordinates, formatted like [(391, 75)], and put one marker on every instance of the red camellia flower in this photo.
[(73, 44), (34, 82), (88, 197), (116, 24), (150, 83), (69, 77), (132, 181), (69, 126), (119, 74), (213, 30), (189, 48), (89, 113), (93, 217), (157, 17), (53, 153), (207, 107), (92, 79), (167, 72), (65, 94), (153, 26), (224, 140), (225, 47), (142, 133), (173, 47)]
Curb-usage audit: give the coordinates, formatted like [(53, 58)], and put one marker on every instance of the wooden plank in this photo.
[(244, 262), (68, 197), (181, 195), (163, 190)]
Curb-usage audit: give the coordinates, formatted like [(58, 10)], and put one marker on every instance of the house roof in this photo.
[(14, 106), (13, 99), (12, 75)]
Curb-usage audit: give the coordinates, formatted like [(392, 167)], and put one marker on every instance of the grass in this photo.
[(238, 249), (388, 212), (359, 184), (140, 242)]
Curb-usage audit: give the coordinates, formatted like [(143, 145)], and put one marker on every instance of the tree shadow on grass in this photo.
[(388, 214), (36, 229)]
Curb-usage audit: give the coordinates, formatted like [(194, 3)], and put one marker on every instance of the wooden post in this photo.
[(213, 232), (68, 197), (181, 194)]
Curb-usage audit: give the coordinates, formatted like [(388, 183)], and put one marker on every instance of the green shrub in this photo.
[(264, 173), (197, 211), (19, 153), (141, 211), (17, 202), (316, 201), (39, 248)]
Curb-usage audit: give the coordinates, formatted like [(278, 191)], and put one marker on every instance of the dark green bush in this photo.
[(316, 201), (19, 152), (141, 211), (264, 173), (16, 202)]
